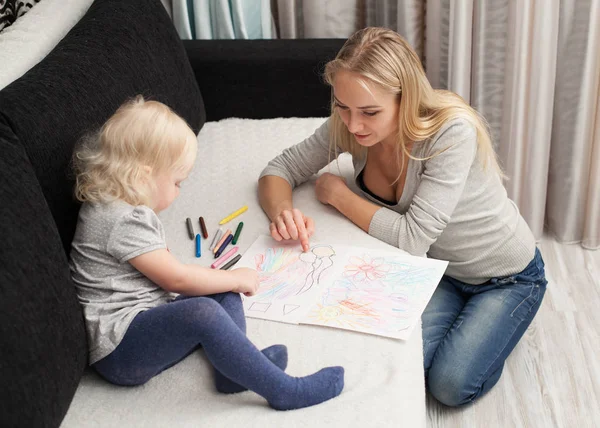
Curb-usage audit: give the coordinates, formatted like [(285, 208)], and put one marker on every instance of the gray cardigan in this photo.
[(450, 209)]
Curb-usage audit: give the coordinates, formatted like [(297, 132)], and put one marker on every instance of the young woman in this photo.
[(430, 184), (126, 174)]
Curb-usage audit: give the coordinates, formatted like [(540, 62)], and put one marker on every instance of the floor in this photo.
[(552, 378)]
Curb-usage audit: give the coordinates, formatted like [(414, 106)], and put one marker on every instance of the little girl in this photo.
[(126, 174)]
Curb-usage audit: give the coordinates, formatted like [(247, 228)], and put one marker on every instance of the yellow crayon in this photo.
[(234, 215)]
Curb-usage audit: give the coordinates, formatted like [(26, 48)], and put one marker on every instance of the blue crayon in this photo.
[(198, 245), (223, 245)]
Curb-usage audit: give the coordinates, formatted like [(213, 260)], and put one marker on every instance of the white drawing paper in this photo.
[(353, 288)]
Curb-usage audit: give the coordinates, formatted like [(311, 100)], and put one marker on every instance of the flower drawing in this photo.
[(366, 268)]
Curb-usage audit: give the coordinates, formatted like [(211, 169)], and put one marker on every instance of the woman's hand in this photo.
[(246, 281), (292, 224), (328, 186)]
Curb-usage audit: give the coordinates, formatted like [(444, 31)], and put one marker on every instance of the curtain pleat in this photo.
[(591, 226), (202, 19), (448, 33), (407, 18), (489, 47), (181, 21), (290, 17), (223, 19), (572, 210), (524, 146), (328, 19), (410, 23)]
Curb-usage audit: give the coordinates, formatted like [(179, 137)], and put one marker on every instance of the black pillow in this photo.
[(43, 349), (118, 49)]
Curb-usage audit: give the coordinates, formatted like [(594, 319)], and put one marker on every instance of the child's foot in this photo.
[(276, 353), (310, 390)]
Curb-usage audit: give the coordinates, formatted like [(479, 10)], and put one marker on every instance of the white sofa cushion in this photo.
[(384, 384)]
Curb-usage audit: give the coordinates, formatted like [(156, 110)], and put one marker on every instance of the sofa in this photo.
[(227, 91)]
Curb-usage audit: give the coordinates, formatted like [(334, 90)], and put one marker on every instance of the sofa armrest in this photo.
[(260, 79)]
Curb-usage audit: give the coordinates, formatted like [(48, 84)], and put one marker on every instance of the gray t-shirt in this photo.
[(450, 208), (111, 291)]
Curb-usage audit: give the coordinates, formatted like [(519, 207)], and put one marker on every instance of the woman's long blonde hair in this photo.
[(141, 140), (383, 57)]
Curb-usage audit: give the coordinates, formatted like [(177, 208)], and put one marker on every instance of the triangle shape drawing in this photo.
[(289, 308)]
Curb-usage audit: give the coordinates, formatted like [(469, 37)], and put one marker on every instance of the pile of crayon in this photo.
[(220, 241)]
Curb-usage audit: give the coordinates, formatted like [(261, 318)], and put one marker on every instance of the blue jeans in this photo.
[(469, 331)]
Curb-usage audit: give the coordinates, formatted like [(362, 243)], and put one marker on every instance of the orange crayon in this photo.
[(225, 235)]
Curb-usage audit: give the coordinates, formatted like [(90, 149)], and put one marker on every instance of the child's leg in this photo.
[(232, 303), (162, 336)]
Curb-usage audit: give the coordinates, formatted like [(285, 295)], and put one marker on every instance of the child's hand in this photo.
[(246, 281)]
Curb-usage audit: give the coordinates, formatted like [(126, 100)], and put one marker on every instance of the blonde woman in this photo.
[(429, 184), (124, 273)]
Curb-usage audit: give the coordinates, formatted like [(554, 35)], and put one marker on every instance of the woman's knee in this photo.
[(447, 388), (456, 385)]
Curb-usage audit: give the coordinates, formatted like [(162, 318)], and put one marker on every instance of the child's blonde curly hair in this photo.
[(140, 141)]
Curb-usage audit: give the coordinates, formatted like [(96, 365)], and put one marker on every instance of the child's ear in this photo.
[(146, 174)]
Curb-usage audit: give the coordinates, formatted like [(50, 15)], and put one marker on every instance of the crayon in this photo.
[(224, 258), (216, 239), (223, 238), (203, 228), (237, 232), (224, 245), (190, 228), (234, 215), (231, 262), (198, 246)]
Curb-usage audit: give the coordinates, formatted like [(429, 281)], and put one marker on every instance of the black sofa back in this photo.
[(259, 79), (118, 49)]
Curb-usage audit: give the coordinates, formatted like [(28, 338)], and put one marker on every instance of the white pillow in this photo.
[(31, 37)]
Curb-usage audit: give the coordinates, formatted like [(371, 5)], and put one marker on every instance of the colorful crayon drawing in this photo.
[(283, 272), (288, 277), (377, 292), (379, 295), (320, 258)]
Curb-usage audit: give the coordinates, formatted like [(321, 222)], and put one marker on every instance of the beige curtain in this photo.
[(310, 19), (531, 67)]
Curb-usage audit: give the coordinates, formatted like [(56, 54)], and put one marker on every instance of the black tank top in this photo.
[(361, 183)]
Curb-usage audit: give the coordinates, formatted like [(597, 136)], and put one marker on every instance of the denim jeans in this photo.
[(469, 331)]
